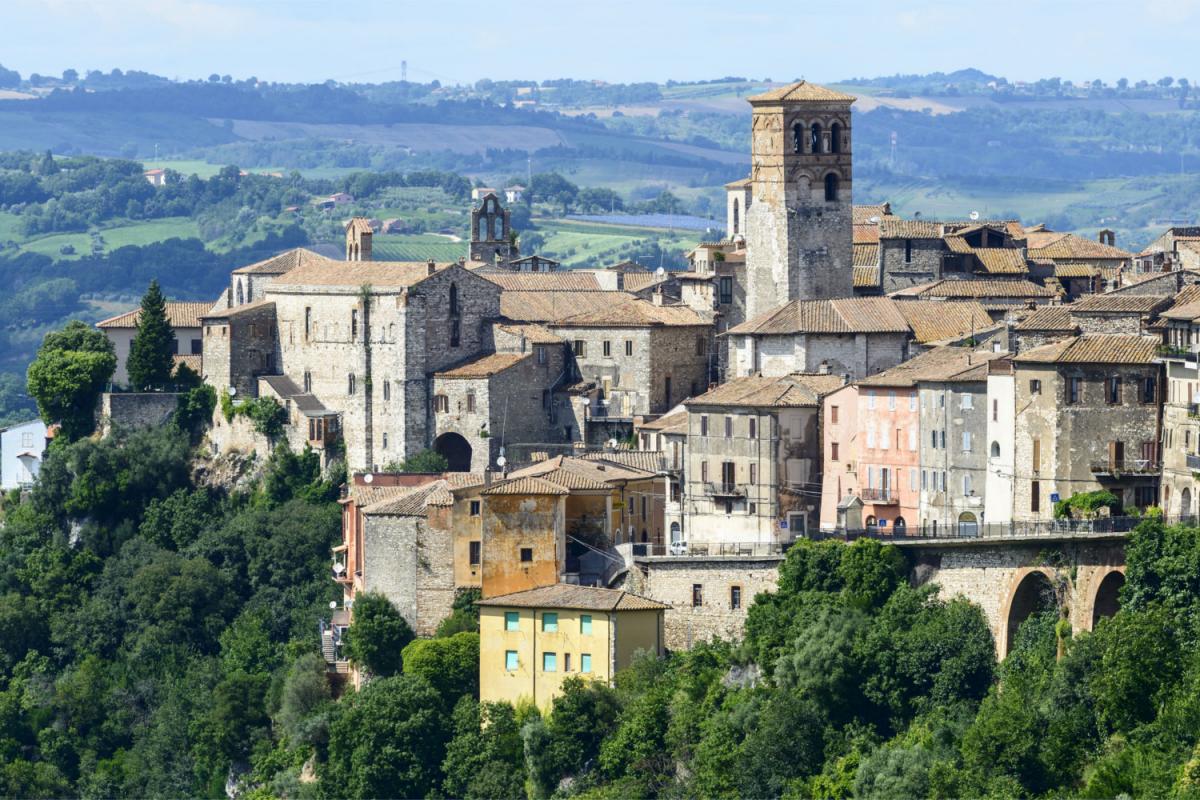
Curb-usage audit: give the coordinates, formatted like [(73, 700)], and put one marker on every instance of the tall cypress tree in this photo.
[(150, 361)]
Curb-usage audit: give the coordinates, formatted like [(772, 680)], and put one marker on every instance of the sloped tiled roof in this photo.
[(938, 364), (485, 366), (379, 274), (801, 92), (1001, 260), (896, 228), (564, 281), (1047, 318), (935, 320), (578, 473), (554, 306), (674, 422), (866, 255), (179, 315), (862, 215), (413, 502), (1095, 349), (866, 234), (1052, 244), (636, 313), (284, 262), (851, 315), (569, 595), (1074, 269), (527, 485), (1120, 304), (1189, 312), (865, 277), (533, 333), (245, 308), (978, 289), (755, 391), (637, 281)]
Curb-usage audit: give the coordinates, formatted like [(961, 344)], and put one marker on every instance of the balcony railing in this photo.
[(1193, 461), (1174, 353), (711, 549), (723, 489), (1128, 466), (1043, 529), (1193, 409), (885, 496)]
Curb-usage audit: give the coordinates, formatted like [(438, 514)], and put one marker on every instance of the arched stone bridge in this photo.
[(1011, 578)]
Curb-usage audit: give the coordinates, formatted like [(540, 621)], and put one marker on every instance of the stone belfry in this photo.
[(490, 233), (799, 227)]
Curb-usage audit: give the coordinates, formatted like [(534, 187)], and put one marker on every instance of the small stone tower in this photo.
[(490, 233), (358, 240), (799, 226)]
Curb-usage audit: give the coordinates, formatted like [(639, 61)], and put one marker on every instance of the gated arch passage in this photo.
[(456, 450), (1107, 599), (1034, 593)]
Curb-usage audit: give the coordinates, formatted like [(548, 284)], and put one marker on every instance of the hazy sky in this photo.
[(615, 40)]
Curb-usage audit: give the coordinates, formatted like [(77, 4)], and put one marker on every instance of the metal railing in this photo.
[(710, 549), (723, 489), (1128, 466), (1193, 409), (886, 495), (1193, 461), (967, 531), (1177, 353)]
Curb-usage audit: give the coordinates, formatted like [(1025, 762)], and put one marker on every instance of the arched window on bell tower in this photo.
[(831, 188), (816, 137), (835, 138), (798, 137), (736, 219)]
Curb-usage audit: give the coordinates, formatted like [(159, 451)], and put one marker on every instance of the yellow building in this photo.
[(531, 641)]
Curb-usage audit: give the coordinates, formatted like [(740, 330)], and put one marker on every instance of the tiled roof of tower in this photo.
[(485, 366), (1121, 304), (554, 306), (935, 320), (939, 364), (849, 315), (1100, 348), (358, 225), (1052, 244), (1047, 318), (976, 289), (755, 391), (412, 503), (896, 228), (565, 281), (1001, 260), (527, 485), (569, 595), (636, 313), (672, 422), (277, 265), (179, 315), (801, 92)]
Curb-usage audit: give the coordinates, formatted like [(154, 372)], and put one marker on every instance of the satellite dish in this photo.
[(874, 220), (231, 391), (332, 605), (586, 402), (660, 272), (501, 451), (501, 461), (974, 215), (369, 477), (612, 444)]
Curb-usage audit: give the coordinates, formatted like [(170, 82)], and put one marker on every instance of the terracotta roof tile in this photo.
[(1120, 304), (554, 306), (938, 364), (896, 228), (866, 277), (565, 281), (533, 333), (978, 289), (568, 595), (636, 313), (862, 215), (1047, 318), (1001, 260), (485, 366), (413, 502), (866, 255), (935, 320), (755, 391), (801, 92), (851, 315), (179, 315), (866, 234), (645, 460), (1095, 349), (675, 422), (528, 485), (285, 261), (1051, 244)]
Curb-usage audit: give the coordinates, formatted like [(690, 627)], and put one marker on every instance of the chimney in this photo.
[(823, 368), (657, 297), (620, 281), (431, 267)]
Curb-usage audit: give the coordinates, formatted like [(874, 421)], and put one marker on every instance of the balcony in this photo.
[(880, 496), (1129, 466), (1193, 410), (1169, 352), (723, 489), (1193, 461), (712, 549)]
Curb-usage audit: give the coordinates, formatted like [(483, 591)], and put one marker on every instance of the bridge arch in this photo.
[(1107, 598), (456, 450), (1033, 591)]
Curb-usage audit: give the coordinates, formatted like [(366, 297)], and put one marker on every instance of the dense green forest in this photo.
[(159, 639)]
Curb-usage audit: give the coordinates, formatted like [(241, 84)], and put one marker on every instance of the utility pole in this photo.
[(404, 71)]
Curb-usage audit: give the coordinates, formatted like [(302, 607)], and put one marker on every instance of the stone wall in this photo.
[(513, 522), (857, 355), (410, 560), (670, 580), (925, 265), (134, 410), (1128, 324)]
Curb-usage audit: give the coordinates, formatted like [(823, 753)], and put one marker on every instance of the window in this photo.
[(1037, 455), (912, 402), (454, 300), (912, 438), (871, 399), (1035, 386), (815, 138), (667, 390), (566, 662), (995, 449), (307, 322), (753, 428), (727, 473), (995, 410), (966, 441), (835, 138), (475, 508), (833, 415), (704, 425), (441, 403), (833, 451), (629, 347), (912, 479), (549, 662), (549, 622), (1035, 496), (539, 351), (726, 288), (697, 595), (704, 472), (1113, 393), (353, 324), (607, 347), (908, 251), (350, 384), (753, 474), (701, 345), (385, 441), (728, 427), (308, 381), (526, 555), (585, 624), (966, 400), (924, 480), (197, 347), (1149, 390), (870, 437), (585, 662), (891, 401), (932, 439), (511, 663), (735, 597), (966, 485), (470, 402), (473, 553), (942, 443), (797, 147), (580, 348), (1073, 387), (26, 440), (387, 390), (512, 619), (455, 332)]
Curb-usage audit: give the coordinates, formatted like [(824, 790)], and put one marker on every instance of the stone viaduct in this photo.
[(1079, 573)]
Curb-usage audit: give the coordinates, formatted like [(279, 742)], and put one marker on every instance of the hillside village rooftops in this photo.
[(1001, 260), (579, 473), (896, 228), (1047, 318), (179, 315), (485, 366), (798, 390), (1120, 304), (644, 460), (552, 306), (939, 364), (1097, 348), (849, 315), (568, 595), (801, 92)]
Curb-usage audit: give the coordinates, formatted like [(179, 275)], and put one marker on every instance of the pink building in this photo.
[(872, 450)]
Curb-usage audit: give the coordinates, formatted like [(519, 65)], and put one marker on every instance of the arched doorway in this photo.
[(456, 450), (1034, 593), (1185, 503), (1108, 596), (900, 526), (967, 524)]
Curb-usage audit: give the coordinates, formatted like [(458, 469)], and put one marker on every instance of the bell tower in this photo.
[(490, 233), (799, 226)]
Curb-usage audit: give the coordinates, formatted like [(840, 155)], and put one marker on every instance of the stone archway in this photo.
[(1185, 503), (1108, 596), (1034, 592), (456, 450)]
